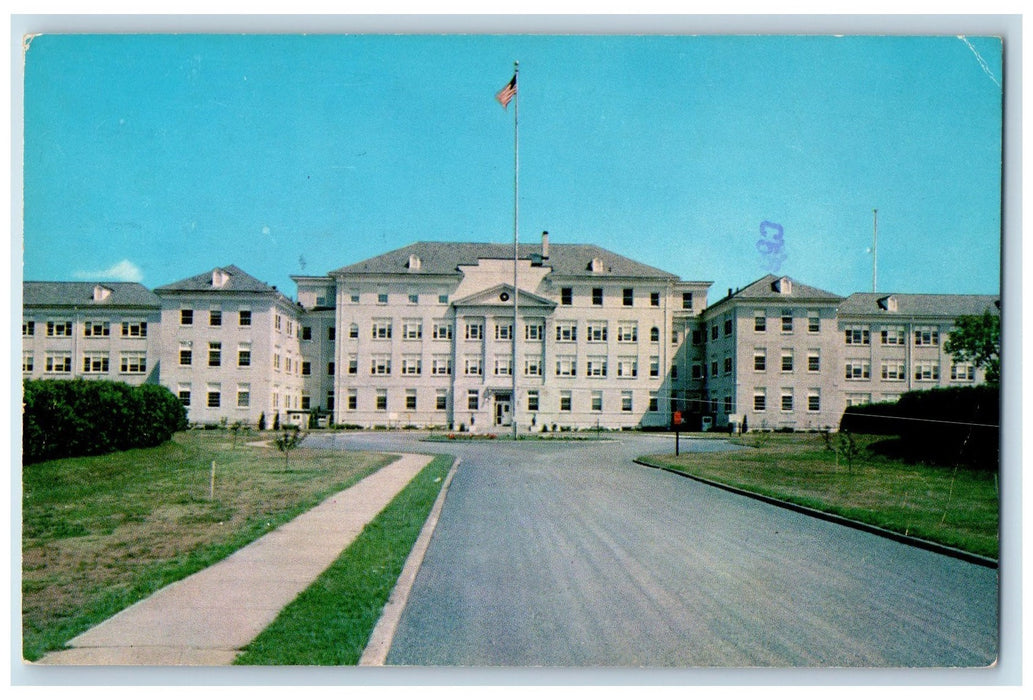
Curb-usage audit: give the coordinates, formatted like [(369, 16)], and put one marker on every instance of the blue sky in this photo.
[(154, 158)]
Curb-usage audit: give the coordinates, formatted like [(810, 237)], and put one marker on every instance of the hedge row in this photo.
[(70, 418), (957, 425)]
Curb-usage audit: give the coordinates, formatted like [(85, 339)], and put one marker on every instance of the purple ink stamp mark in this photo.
[(771, 245)]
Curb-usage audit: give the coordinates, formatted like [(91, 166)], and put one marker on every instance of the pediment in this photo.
[(502, 295)]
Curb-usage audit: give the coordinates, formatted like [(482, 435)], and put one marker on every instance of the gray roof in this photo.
[(239, 281), (764, 290), (565, 259), (946, 305), (80, 294)]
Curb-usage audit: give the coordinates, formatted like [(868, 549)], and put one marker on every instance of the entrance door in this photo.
[(503, 412)]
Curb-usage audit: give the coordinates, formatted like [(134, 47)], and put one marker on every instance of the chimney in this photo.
[(545, 245)]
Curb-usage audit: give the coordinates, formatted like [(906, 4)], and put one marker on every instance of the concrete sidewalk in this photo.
[(205, 619)]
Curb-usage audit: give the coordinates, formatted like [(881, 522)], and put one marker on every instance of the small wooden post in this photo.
[(211, 488)]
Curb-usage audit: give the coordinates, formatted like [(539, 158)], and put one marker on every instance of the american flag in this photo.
[(507, 93)]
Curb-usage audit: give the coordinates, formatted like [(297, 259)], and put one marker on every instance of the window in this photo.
[(133, 363), (290, 327), (278, 322), (627, 367), (728, 365), (963, 372), (28, 363), (441, 400), (380, 364), (674, 371), (534, 330), (442, 330), (626, 402), (503, 331), (787, 320), (186, 317), (927, 335), (713, 368), (186, 354), (28, 328), (533, 366), (353, 364), (698, 336), (441, 365), (697, 370), (353, 400), (760, 359), (628, 296), (214, 398), (787, 360), (927, 371), (134, 329), (412, 330), (566, 296), (472, 399), (381, 297), (627, 332), (654, 298), (244, 396), (566, 331), (353, 331), (654, 366), (813, 361), (813, 401), (244, 355), (760, 400), (654, 335), (306, 368), (532, 400), (597, 296), (787, 400), (892, 335), (760, 322), (674, 337), (597, 331), (58, 363), (331, 333), (728, 327), (474, 331), (442, 298), (184, 394), (503, 366), (858, 399), (686, 300), (306, 332), (276, 361), (893, 370), (244, 317), (858, 369), (412, 365), (813, 322), (410, 399), (566, 366), (95, 363), (597, 401), (857, 335), (714, 332), (306, 402), (654, 404), (96, 329), (59, 328), (414, 298), (565, 403), (214, 354), (472, 366), (596, 366), (381, 399), (215, 317), (381, 329), (353, 296), (728, 404)]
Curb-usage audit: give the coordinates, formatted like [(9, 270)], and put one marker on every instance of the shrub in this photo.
[(70, 418)]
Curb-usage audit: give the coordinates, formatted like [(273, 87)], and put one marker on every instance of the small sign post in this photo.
[(677, 432)]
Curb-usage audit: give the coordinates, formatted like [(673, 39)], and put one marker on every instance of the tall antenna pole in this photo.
[(875, 249), (516, 238)]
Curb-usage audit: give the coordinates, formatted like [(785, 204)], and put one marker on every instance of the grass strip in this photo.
[(955, 507), (329, 623)]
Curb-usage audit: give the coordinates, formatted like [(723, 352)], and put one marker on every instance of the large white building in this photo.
[(425, 336)]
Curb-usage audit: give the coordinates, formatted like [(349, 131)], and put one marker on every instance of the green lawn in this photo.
[(100, 533), (953, 506), (330, 622)]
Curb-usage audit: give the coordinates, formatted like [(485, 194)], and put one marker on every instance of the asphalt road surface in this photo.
[(569, 555)]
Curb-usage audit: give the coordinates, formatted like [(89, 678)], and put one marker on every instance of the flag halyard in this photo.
[(506, 94)]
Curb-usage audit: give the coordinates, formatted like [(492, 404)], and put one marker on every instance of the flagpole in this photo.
[(875, 248), (516, 221)]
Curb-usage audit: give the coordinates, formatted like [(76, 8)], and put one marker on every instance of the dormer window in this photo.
[(414, 262), (220, 278), (101, 293), (888, 303), (596, 265), (783, 285)]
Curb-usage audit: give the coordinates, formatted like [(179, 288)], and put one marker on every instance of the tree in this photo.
[(977, 339), (290, 439)]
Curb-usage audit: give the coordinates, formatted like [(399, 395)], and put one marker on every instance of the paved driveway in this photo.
[(568, 554)]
